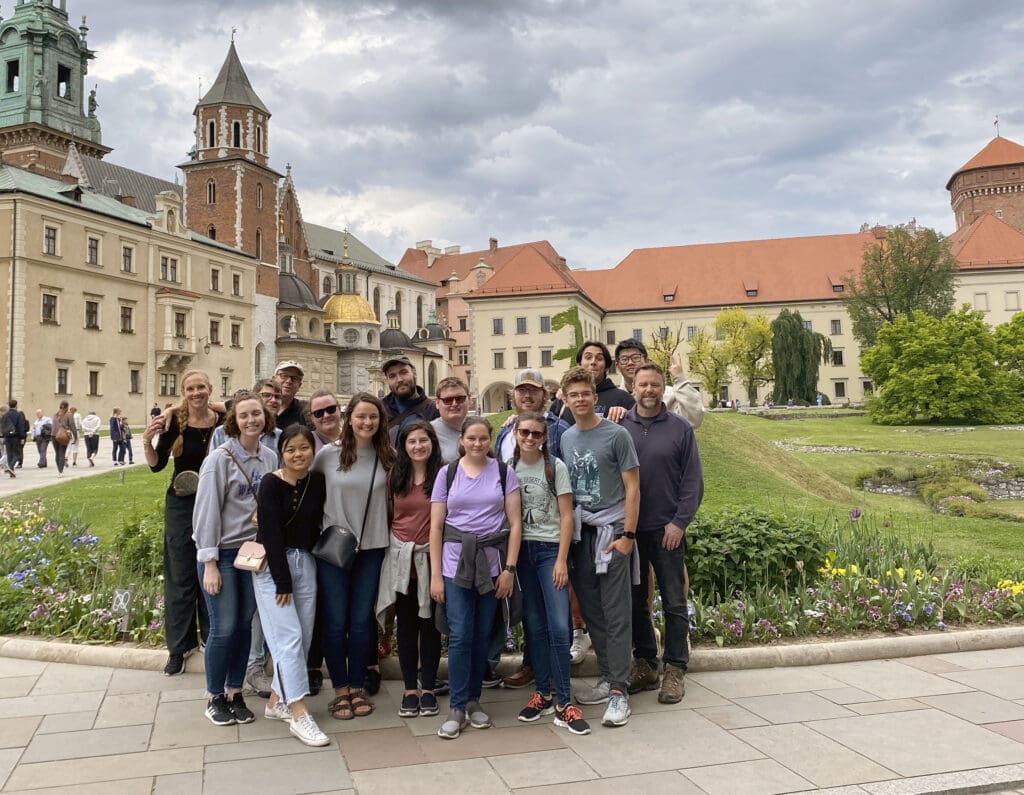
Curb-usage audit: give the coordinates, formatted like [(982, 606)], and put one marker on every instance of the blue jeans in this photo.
[(470, 619), (347, 621), (545, 617), (227, 647), (668, 571)]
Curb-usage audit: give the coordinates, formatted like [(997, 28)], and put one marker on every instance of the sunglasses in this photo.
[(454, 400), (527, 433), (319, 413)]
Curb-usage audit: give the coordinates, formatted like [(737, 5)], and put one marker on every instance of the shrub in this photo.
[(740, 549), (935, 491)]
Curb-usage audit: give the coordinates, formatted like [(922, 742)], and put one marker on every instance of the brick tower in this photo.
[(230, 189), (990, 182)]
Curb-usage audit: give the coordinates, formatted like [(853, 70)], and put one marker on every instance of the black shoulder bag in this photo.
[(338, 545)]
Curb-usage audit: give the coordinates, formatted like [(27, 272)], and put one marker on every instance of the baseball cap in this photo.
[(395, 360), (290, 365), (529, 378)]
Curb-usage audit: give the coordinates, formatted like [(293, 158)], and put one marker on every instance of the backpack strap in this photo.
[(453, 470)]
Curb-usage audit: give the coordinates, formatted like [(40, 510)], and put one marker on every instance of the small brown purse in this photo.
[(252, 556)]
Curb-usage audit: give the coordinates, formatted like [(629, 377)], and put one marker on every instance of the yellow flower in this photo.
[(888, 573), (853, 568), (900, 572), (841, 572), (872, 581)]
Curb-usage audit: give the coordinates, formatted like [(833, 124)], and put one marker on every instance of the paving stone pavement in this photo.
[(943, 723)]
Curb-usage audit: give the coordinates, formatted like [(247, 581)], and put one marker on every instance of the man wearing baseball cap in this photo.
[(529, 394), (289, 375), (406, 401)]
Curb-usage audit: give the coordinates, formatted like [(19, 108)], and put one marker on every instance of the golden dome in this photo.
[(348, 308)]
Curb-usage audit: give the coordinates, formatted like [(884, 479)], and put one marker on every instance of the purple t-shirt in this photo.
[(475, 505)]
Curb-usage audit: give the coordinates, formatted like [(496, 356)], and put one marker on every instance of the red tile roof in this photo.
[(415, 261), (527, 272), (997, 152), (987, 242)]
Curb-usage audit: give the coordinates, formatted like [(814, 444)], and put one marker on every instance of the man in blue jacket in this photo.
[(671, 489)]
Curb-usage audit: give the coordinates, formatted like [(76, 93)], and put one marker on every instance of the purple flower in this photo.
[(854, 514)]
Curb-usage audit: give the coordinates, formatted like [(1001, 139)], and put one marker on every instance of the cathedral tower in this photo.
[(990, 182)]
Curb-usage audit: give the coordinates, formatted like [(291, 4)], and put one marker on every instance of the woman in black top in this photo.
[(184, 434), (290, 510)]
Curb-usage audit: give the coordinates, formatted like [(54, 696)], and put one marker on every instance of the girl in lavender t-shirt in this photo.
[(473, 505)]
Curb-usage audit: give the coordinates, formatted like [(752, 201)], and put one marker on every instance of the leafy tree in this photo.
[(942, 370), (748, 344), (568, 317), (796, 353), (1010, 349), (660, 349), (710, 360), (910, 270)]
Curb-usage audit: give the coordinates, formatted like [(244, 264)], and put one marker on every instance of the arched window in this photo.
[(398, 308), (211, 192), (259, 139), (376, 303), (170, 219), (259, 195), (259, 360), (419, 314), (327, 285), (211, 232), (259, 245), (211, 135), (236, 135)]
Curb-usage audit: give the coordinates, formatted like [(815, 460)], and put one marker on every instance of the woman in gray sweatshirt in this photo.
[(224, 518)]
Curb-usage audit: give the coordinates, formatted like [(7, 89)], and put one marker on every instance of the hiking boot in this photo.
[(218, 710), (673, 688), (279, 711), (617, 712), (598, 694), (410, 707), (453, 727), (537, 705), (572, 719), (521, 678), (238, 708), (579, 647), (307, 731), (258, 680), (478, 719), (643, 676)]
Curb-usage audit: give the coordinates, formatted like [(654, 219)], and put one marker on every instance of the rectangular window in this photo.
[(838, 288), (92, 251), (94, 382), (49, 308), (63, 79), (836, 326), (215, 279), (807, 325), (168, 383), (521, 359), (169, 269), (497, 326), (691, 332), (638, 334), (224, 386), (13, 76), (751, 293), (663, 333), (463, 355), (127, 255), (545, 324), (92, 314), (134, 381), (499, 360), (236, 335), (463, 324), (62, 380), (1012, 300), (609, 337), (127, 320), (840, 389), (215, 332), (520, 325), (981, 302), (545, 358), (179, 324), (236, 284), (837, 358), (50, 240), (868, 387)]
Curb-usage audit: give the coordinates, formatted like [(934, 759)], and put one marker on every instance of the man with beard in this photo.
[(612, 402), (289, 375), (407, 401), (528, 395), (681, 397)]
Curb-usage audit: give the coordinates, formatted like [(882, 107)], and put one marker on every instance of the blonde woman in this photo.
[(184, 435)]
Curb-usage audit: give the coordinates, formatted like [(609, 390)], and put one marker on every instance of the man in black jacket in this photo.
[(15, 431), (406, 401), (612, 402)]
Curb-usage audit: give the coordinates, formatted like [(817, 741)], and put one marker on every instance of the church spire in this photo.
[(232, 86)]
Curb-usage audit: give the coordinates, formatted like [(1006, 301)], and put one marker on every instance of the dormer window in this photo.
[(668, 293), (838, 288), (752, 293)]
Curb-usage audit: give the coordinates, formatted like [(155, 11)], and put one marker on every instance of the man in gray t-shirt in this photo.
[(452, 403), (605, 477)]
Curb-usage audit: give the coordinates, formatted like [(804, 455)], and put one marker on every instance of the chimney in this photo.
[(452, 250), (494, 244), (562, 264), (128, 201)]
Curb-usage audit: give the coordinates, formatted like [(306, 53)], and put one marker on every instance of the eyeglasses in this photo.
[(269, 396), (284, 377), (319, 413), (579, 395), (453, 400), (526, 433), (636, 358)]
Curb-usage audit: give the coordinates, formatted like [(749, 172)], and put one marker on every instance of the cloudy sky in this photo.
[(599, 125)]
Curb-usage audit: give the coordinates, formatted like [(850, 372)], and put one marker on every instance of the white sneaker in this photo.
[(593, 695), (580, 644), (307, 731), (478, 719), (279, 711), (617, 713)]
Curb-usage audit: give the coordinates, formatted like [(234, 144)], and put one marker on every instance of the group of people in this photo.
[(408, 506)]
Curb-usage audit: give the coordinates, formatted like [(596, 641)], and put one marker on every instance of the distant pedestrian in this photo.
[(14, 429), (42, 432), (155, 411), (73, 447), (126, 439), (116, 437), (64, 421), (91, 428)]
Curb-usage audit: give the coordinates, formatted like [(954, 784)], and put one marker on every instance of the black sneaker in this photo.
[(176, 663), (428, 705), (372, 683), (410, 706), (493, 680), (538, 705), (440, 686), (241, 712), (218, 710), (316, 681)]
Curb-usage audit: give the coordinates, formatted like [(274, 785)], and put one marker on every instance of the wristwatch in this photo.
[(510, 568), (629, 535)]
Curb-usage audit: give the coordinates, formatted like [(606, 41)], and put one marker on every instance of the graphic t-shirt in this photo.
[(596, 460), (540, 505)]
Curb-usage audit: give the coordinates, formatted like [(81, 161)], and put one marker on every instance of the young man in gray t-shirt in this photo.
[(605, 477)]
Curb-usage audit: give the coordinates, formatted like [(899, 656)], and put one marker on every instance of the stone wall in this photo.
[(1010, 489)]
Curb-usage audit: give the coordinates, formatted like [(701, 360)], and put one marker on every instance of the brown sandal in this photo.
[(341, 708), (361, 705)]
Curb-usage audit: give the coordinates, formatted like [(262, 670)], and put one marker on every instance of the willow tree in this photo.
[(796, 354)]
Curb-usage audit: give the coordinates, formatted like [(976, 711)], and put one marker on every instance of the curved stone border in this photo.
[(705, 659)]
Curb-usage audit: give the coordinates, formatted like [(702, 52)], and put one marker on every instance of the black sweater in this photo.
[(278, 501), (608, 395)]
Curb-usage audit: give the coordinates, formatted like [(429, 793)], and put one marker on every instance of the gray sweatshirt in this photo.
[(346, 495), (225, 503)]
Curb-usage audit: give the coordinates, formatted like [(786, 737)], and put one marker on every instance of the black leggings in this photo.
[(419, 642)]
